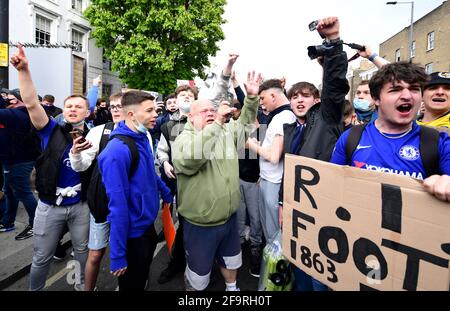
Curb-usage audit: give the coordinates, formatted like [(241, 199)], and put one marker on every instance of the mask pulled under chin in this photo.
[(185, 107), (74, 124), (140, 127)]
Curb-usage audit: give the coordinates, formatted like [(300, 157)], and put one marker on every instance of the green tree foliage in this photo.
[(151, 43)]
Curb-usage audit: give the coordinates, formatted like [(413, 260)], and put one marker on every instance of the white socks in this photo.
[(231, 287)]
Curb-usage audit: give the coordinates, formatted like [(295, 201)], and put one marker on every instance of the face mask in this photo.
[(75, 124), (185, 106), (361, 104), (140, 127)]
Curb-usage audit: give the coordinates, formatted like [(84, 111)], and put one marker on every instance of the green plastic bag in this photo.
[(276, 271)]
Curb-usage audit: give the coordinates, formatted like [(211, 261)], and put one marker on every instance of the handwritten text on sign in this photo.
[(358, 230)]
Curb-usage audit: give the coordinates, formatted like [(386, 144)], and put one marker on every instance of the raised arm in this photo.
[(373, 57), (237, 88), (249, 110), (38, 117), (93, 93), (270, 153), (223, 82), (335, 63)]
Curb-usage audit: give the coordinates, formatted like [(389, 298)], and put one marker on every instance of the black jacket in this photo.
[(49, 162), (323, 121), (52, 111)]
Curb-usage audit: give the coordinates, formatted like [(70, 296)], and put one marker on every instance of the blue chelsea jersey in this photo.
[(67, 176), (396, 154)]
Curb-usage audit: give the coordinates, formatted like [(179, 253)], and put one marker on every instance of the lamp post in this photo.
[(412, 22)]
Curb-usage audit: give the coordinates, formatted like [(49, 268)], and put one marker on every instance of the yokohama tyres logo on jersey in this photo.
[(369, 167)]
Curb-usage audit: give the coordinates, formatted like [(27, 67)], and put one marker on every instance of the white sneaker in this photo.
[(236, 290), (79, 287)]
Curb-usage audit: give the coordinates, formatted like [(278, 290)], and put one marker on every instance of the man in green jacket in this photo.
[(206, 164)]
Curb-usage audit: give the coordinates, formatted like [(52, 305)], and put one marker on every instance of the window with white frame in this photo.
[(397, 55), (429, 68), (413, 49), (77, 5), (430, 41), (43, 30), (77, 40)]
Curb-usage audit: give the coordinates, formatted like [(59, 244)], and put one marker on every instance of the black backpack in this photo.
[(428, 147), (96, 194)]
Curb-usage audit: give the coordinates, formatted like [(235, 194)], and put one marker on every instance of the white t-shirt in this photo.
[(81, 162), (268, 171)]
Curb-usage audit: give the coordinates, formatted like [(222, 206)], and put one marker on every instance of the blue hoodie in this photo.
[(133, 204)]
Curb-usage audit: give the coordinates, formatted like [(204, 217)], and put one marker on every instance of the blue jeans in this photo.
[(306, 283), (17, 188)]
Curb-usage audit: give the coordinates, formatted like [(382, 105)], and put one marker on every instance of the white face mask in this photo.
[(185, 106)]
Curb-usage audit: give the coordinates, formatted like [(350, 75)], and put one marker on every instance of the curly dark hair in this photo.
[(395, 72)]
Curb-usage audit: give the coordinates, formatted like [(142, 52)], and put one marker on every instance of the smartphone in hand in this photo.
[(77, 133)]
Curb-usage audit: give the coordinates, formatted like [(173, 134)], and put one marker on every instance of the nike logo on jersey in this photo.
[(362, 147)]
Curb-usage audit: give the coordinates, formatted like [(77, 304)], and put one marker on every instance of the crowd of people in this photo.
[(220, 160)]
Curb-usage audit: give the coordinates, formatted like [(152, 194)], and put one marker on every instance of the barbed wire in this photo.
[(43, 45)]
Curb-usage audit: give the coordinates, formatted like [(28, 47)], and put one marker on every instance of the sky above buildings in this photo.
[(272, 36)]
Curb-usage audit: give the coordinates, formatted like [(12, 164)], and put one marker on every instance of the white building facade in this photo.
[(58, 70)]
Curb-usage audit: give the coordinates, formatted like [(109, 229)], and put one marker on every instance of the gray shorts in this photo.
[(98, 235)]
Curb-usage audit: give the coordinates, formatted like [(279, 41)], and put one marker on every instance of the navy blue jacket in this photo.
[(18, 143)]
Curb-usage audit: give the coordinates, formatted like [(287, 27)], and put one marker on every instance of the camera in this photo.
[(315, 51), (313, 25)]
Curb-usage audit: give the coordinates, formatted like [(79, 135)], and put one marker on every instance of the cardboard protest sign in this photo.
[(354, 229)]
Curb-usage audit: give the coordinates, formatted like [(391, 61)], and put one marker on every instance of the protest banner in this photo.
[(354, 229)]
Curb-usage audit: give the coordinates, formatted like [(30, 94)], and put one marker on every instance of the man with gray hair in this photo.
[(206, 161)]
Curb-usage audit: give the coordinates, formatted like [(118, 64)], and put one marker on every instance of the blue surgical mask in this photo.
[(361, 104), (140, 127)]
